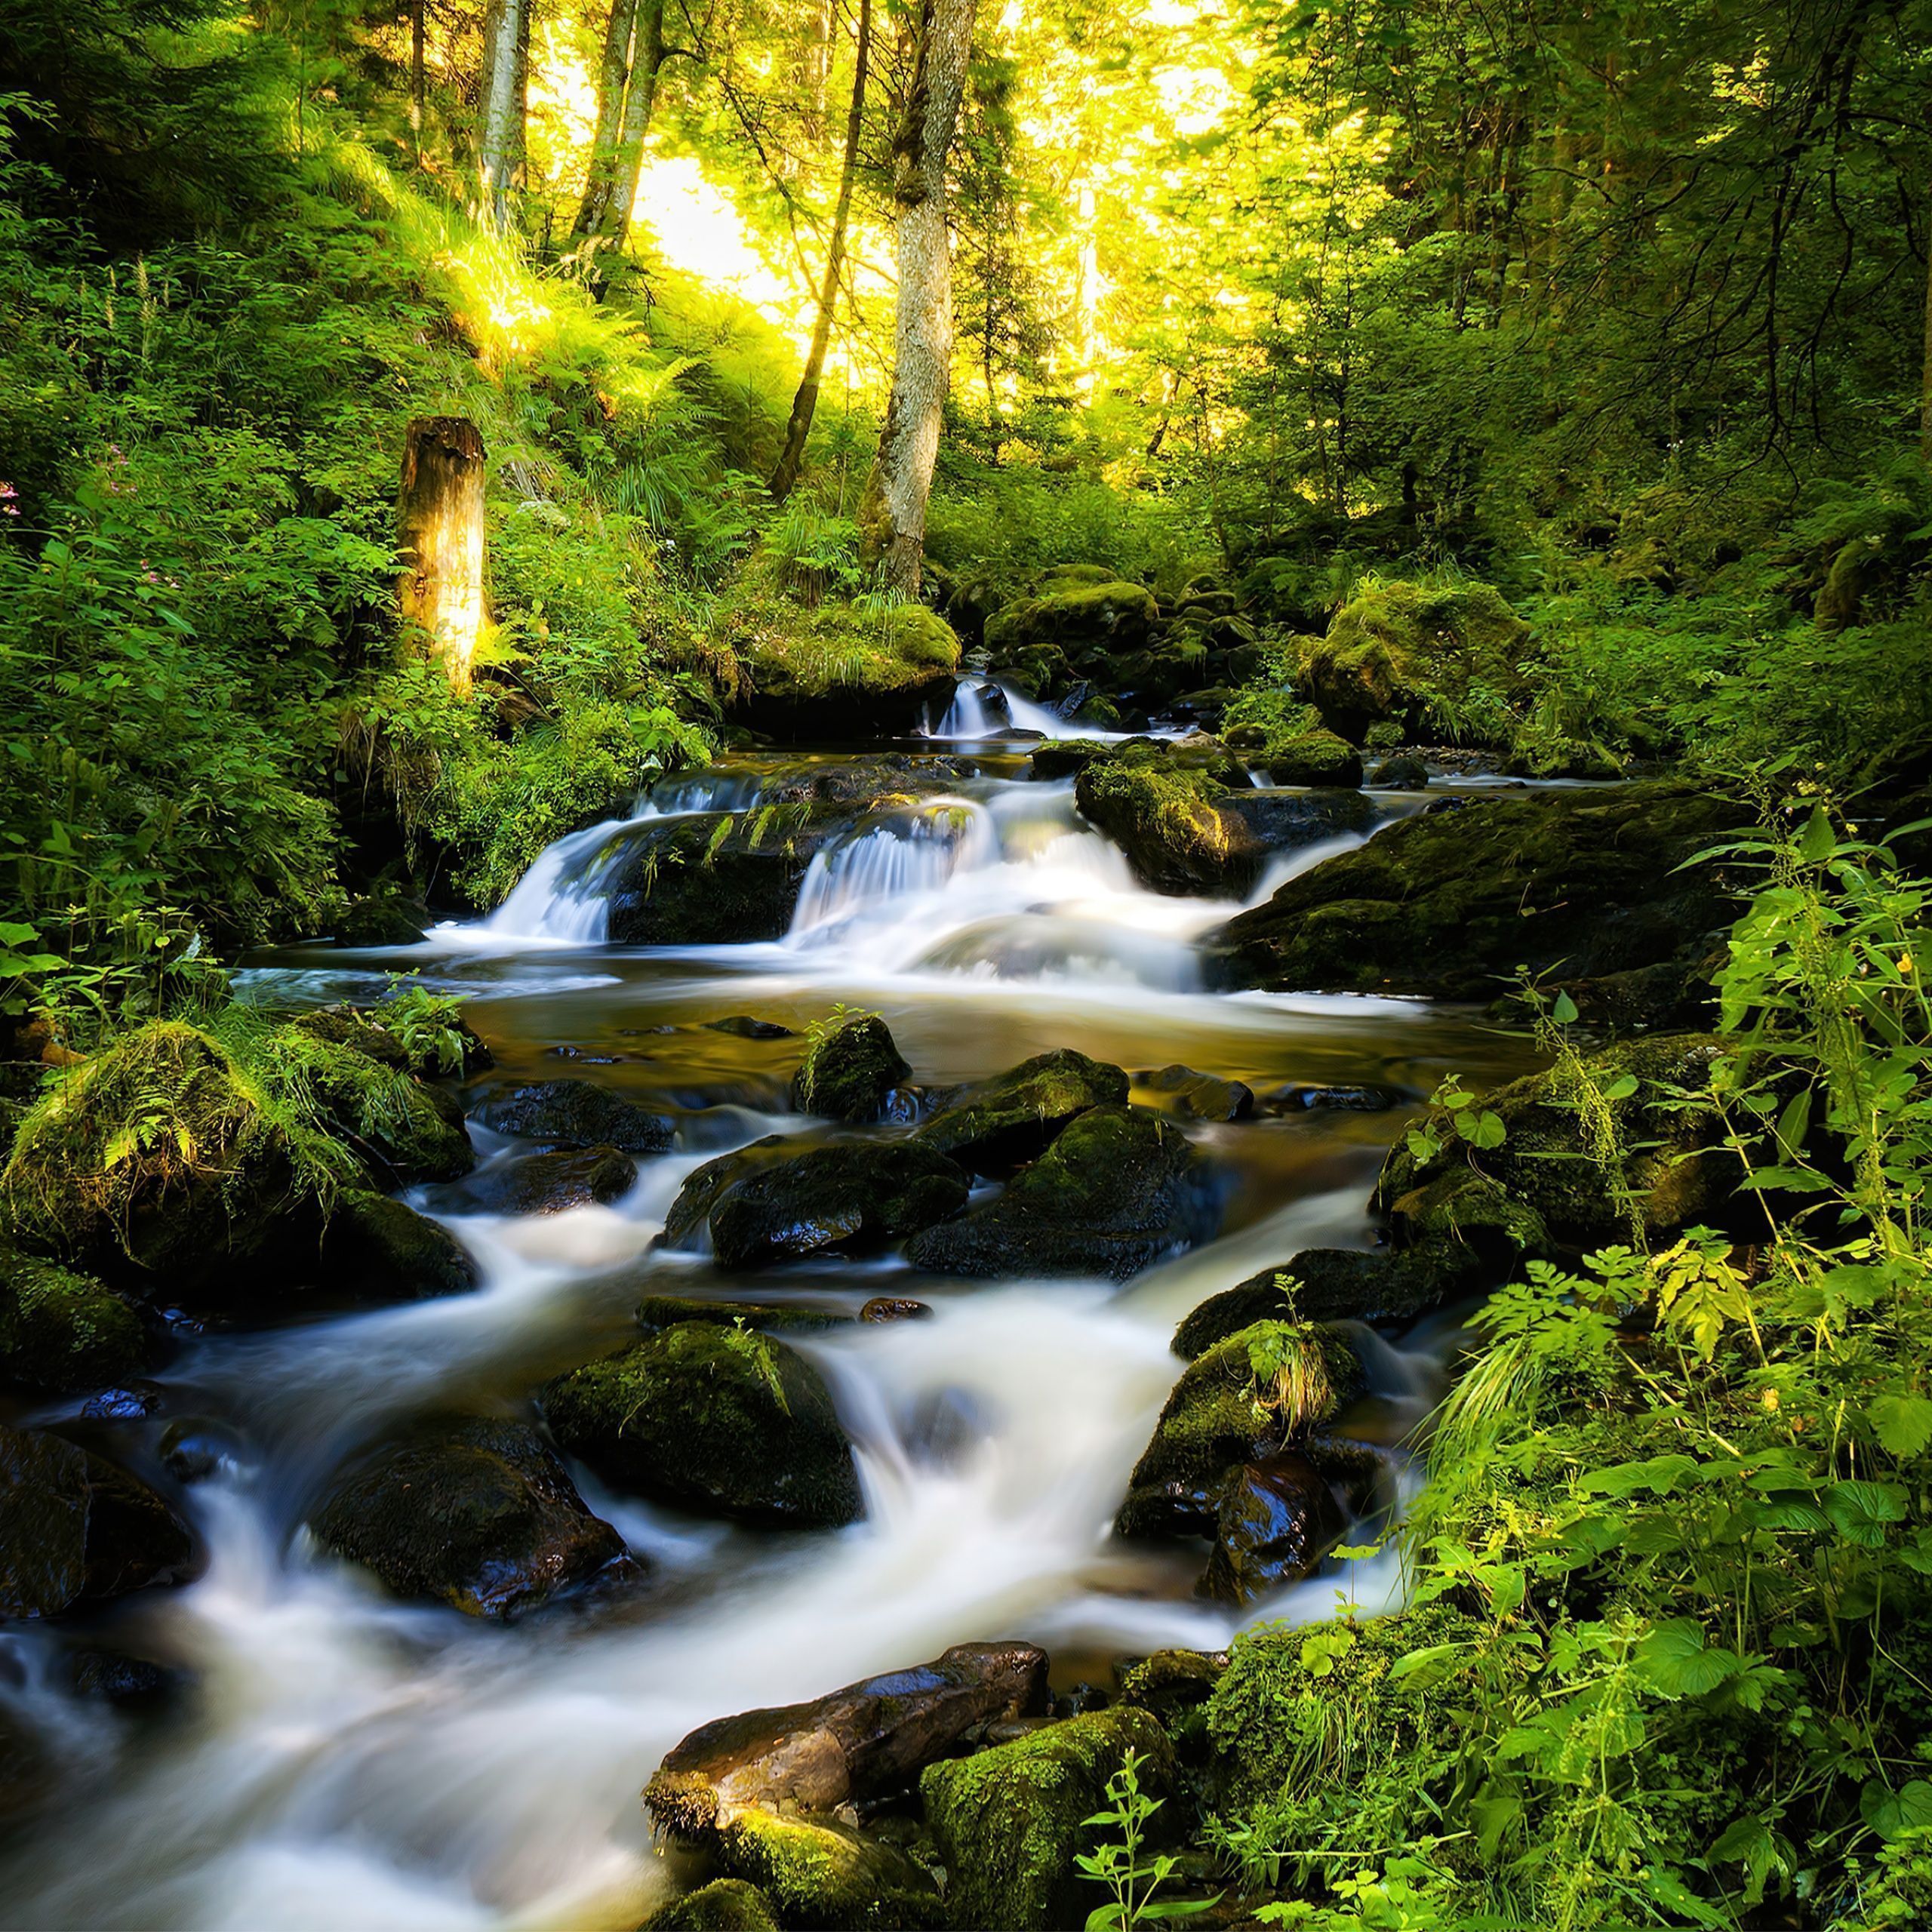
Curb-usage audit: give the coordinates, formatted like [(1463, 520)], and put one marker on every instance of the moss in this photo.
[(820, 1874), (381, 1248), (1014, 1117), (1169, 821), (65, 1332), (702, 878), (819, 653), (1089, 607), (1312, 757), (723, 1421), (851, 1063), (725, 1905), (1009, 1821)]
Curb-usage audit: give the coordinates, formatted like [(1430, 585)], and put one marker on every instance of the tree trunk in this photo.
[(1925, 389), (416, 86), (815, 72), (440, 521), (805, 403), (892, 514), (600, 173), (503, 33), (610, 221)]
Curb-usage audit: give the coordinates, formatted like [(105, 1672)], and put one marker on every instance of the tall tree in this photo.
[(892, 514), (609, 188), (804, 403), (504, 33), (600, 173)]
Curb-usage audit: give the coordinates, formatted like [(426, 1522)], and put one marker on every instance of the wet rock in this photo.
[(995, 1128), (832, 672), (27, 1773), (722, 1421), (1288, 821), (1295, 1096), (575, 1113), (1008, 1821), (657, 1311), (849, 1070), (1451, 902), (1338, 1284), (130, 1404), (819, 1871), (862, 1743), (1400, 774), (548, 1183), (1316, 759), (127, 1683), (1222, 1414), (1194, 1096), (453, 1047), (1675, 1176), (1168, 818), (74, 1530), (383, 919), (715, 877), (1118, 1190), (1275, 1520), (725, 1905), (747, 1027), (477, 1513), (704, 1187), (192, 1450), (1171, 1681), (65, 1332), (379, 1248), (894, 1308)]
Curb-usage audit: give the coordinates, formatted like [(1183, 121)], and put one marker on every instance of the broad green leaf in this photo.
[(1677, 1659), (1903, 1423)]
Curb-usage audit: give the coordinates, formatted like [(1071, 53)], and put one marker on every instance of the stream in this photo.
[(341, 1759)]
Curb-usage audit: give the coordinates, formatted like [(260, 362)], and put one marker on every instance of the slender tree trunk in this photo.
[(804, 405), (600, 173), (607, 224), (815, 72), (892, 513), (440, 521), (1925, 389), (504, 27), (1086, 293), (416, 86)]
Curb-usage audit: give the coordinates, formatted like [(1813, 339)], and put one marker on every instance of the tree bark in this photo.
[(502, 42), (892, 513), (605, 224), (415, 82), (804, 405), (1925, 388), (440, 521), (600, 173)]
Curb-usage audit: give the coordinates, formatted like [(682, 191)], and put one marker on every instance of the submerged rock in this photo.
[(995, 1128), (575, 1113), (548, 1183), (1118, 1189), (74, 1530), (64, 1332), (1008, 1821), (1275, 1520), (725, 1905), (849, 1069), (476, 1513), (1194, 1096), (1452, 902), (722, 1421), (380, 1248)]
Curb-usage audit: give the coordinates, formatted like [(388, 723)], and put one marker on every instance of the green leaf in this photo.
[(1860, 1510), (1892, 1813), (1564, 1011), (1903, 1423), (1677, 1658)]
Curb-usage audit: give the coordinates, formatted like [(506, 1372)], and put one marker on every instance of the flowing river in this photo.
[(336, 1758)]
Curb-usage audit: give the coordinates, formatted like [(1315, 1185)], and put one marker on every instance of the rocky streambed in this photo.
[(904, 1264)]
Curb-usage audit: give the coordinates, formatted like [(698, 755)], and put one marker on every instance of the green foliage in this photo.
[(1122, 1863), (428, 1025)]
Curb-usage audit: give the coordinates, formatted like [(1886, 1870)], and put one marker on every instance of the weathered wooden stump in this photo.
[(441, 519)]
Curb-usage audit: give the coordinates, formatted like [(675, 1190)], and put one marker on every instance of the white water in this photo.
[(1011, 713), (349, 1761)]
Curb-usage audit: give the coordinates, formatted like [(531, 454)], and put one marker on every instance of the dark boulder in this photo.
[(722, 1421), (1314, 758), (477, 1513), (378, 1248), (657, 1311), (383, 919), (1118, 1190), (74, 1530), (708, 878), (1400, 774), (1194, 1096), (998, 1126), (65, 1332), (548, 1183), (849, 1069), (574, 1113), (1275, 1520), (1169, 818)]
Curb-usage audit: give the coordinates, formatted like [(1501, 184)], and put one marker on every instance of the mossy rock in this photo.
[(474, 1512), (1170, 822), (1568, 758), (838, 673), (721, 1421), (1422, 657), (64, 1332), (574, 1113), (381, 1249), (1451, 903), (820, 1874), (1314, 758), (1079, 614), (75, 1531), (657, 1311), (364, 1028), (406, 1132), (1672, 1172), (848, 1069), (998, 1126), (725, 1905), (548, 1183), (1119, 1189), (715, 877), (1008, 1821), (1214, 1421)]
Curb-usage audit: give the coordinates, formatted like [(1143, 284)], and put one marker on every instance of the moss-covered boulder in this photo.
[(574, 1113), (452, 1046), (1081, 608), (1313, 758), (382, 919), (377, 1248), (657, 1311), (836, 672), (65, 1332), (1338, 1284), (722, 1421), (1008, 1821), (851, 1065), (821, 1873), (1451, 903), (548, 1183), (1245, 1398), (725, 1905), (474, 1512), (1399, 774), (1628, 1130), (1435, 660), (347, 1080), (1170, 822), (75, 1531), (714, 877), (998, 1126), (1119, 1189)]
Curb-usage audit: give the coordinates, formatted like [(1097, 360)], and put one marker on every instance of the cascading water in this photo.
[(989, 708), (343, 1759)]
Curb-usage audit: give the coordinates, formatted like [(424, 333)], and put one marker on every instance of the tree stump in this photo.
[(441, 520)]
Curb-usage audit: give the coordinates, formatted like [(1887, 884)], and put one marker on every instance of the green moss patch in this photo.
[(63, 1331)]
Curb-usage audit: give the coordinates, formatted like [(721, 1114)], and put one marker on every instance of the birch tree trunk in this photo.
[(892, 513), (804, 405), (503, 43), (440, 520), (600, 174), (610, 221)]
